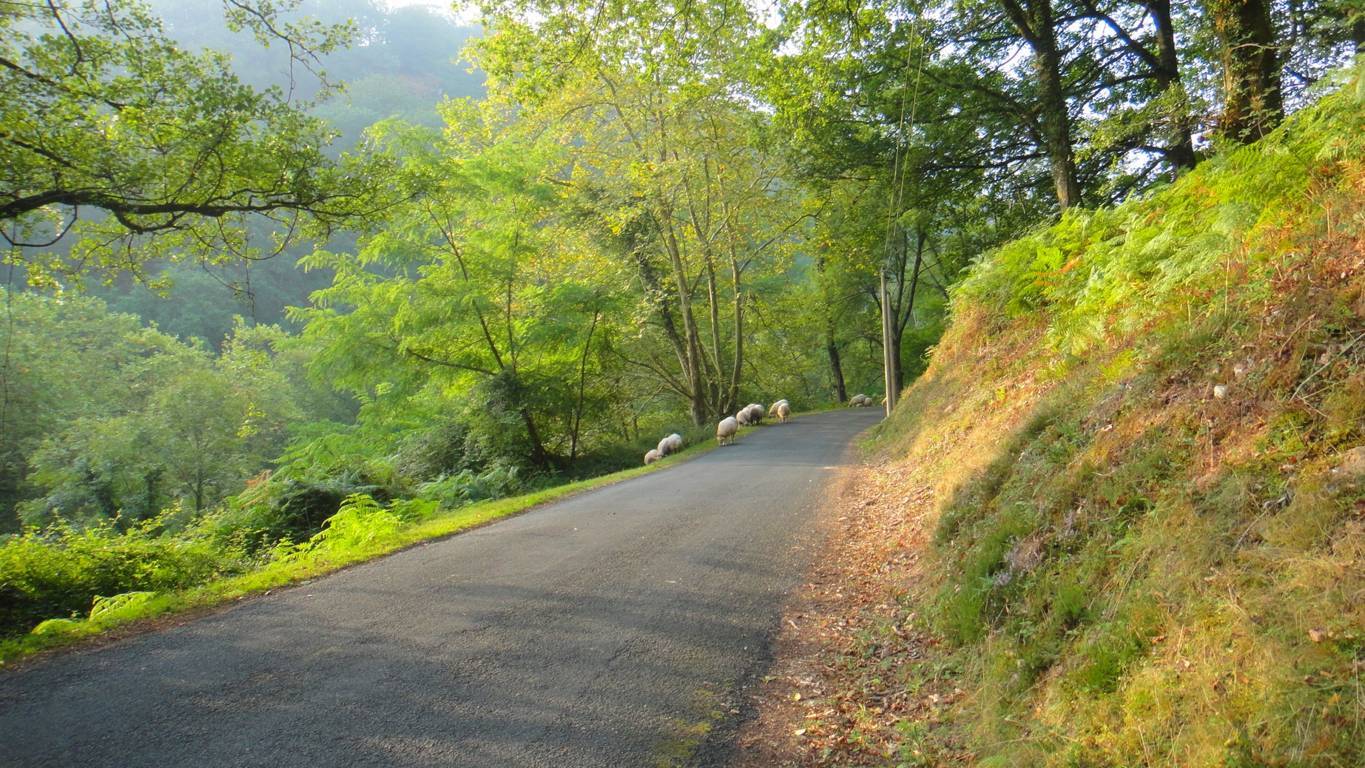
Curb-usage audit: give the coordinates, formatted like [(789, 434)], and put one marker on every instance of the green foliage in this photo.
[(60, 571), (1109, 263), (358, 523), (466, 487), (105, 112), (288, 511), (114, 420)]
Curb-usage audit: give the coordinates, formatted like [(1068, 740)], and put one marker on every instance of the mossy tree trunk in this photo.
[(1036, 24), (1252, 100)]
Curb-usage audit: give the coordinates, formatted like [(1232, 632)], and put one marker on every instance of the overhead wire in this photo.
[(899, 172)]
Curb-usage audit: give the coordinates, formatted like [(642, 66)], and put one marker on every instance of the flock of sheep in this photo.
[(751, 414)]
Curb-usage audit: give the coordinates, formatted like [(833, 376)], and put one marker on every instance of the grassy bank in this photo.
[(1144, 432), (362, 530)]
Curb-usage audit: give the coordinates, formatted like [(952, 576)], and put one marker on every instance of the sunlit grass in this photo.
[(1131, 567)]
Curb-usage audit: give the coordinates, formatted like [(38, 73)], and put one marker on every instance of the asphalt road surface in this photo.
[(613, 628)]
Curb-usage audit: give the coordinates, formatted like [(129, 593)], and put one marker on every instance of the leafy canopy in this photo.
[(111, 129)]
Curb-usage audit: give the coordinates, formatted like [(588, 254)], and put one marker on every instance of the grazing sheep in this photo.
[(756, 413), (772, 409), (652, 455), (726, 430), (784, 412), (670, 445), (742, 416)]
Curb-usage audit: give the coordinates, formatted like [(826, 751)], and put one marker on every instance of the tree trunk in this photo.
[(836, 367), (732, 399), (715, 373), (904, 318), (897, 368), (1252, 102), (736, 274), (654, 292), (582, 385), (889, 348), (697, 394), (1056, 122), (153, 480), (198, 491), (539, 456), (1180, 153), (1035, 23)]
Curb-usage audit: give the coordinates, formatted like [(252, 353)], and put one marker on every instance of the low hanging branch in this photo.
[(110, 121)]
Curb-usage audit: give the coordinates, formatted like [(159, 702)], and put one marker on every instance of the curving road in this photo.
[(610, 629)]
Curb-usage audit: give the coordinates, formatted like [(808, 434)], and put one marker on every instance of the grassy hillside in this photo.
[(1146, 432)]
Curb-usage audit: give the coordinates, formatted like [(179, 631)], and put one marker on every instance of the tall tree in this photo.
[(472, 298), (1253, 103), (669, 154), (1037, 24), (1152, 82)]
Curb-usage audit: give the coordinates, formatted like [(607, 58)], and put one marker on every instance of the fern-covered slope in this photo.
[(1146, 426)]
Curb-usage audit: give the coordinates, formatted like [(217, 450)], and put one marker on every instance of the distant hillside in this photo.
[(1146, 432), (404, 63)]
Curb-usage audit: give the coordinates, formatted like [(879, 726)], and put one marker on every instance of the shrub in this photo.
[(467, 486), (289, 510), (61, 571)]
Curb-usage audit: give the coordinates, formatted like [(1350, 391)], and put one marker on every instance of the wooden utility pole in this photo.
[(888, 363)]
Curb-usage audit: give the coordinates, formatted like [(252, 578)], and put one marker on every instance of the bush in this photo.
[(466, 486), (62, 571), (290, 510), (360, 523)]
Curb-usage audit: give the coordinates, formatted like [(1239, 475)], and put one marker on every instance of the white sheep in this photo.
[(741, 416), (857, 400), (772, 409), (670, 445), (651, 456), (784, 411), (756, 413), (726, 430)]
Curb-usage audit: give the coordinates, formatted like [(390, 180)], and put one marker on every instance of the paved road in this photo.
[(598, 631)]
